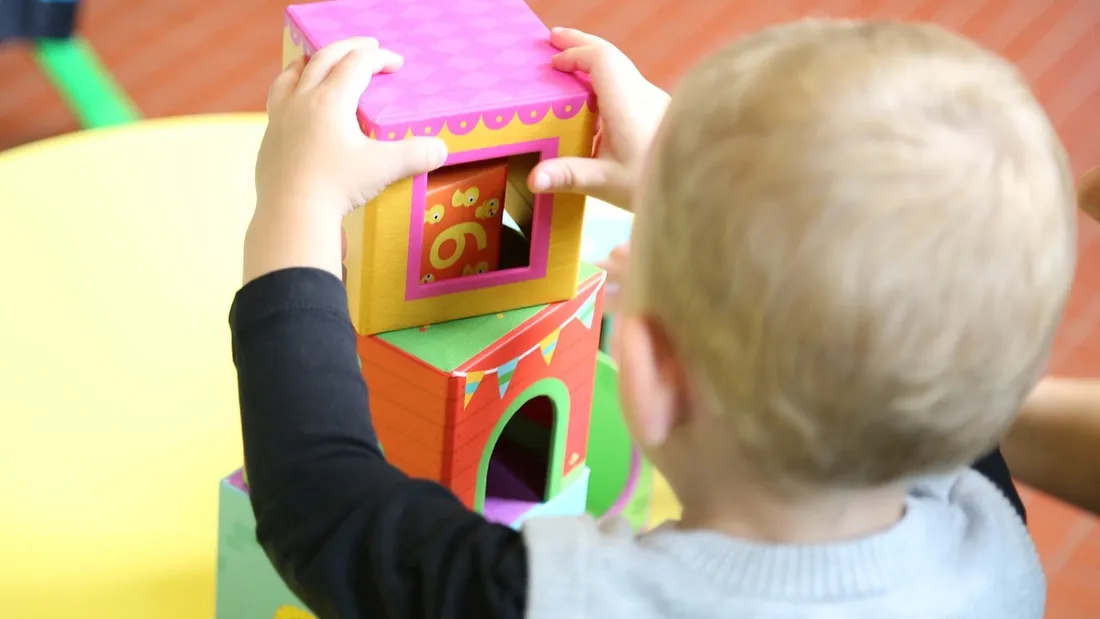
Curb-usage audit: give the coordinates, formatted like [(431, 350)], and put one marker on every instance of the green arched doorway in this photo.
[(519, 429)]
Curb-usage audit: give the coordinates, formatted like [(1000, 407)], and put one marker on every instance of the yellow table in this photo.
[(119, 256)]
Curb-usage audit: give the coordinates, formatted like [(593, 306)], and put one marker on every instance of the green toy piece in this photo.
[(84, 83), (247, 586), (622, 481)]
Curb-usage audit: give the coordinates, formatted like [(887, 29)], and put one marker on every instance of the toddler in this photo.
[(853, 243)]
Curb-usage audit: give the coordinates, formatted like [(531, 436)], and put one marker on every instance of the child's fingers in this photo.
[(588, 54), (285, 83), (584, 59), (572, 175), (351, 76), (296, 66), (565, 38), (610, 298), (391, 61), (614, 267), (325, 60), (393, 161), (609, 70)]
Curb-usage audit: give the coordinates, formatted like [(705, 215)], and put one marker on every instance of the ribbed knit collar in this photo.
[(851, 569)]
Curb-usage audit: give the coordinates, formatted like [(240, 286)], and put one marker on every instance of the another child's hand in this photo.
[(314, 153), (315, 165), (631, 108)]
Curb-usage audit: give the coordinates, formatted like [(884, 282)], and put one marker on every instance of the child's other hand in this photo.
[(314, 154), (631, 108), (615, 265)]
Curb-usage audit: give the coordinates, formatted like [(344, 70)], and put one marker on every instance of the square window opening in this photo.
[(481, 225)]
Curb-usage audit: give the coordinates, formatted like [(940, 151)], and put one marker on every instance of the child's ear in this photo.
[(1088, 193)]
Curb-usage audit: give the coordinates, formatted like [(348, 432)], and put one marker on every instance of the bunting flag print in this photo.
[(585, 315), (473, 379), (587, 312), (505, 373), (548, 344)]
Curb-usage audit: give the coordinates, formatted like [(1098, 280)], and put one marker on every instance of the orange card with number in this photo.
[(463, 214)]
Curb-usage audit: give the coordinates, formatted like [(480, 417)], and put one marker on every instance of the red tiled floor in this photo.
[(1058, 530), (1084, 560), (29, 109), (1070, 597), (197, 56)]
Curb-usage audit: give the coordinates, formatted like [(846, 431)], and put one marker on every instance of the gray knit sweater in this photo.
[(960, 551)]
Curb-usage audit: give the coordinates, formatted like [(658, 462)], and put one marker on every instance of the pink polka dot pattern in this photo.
[(465, 61)]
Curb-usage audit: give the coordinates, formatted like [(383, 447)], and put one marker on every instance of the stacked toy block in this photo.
[(247, 585), (478, 325), (495, 407), (619, 483)]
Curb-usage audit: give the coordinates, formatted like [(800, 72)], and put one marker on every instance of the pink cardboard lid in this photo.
[(465, 60)]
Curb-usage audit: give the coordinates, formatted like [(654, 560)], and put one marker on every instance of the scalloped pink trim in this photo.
[(296, 36), (461, 124)]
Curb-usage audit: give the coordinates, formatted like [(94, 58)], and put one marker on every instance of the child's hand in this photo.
[(615, 265), (314, 151), (631, 108), (315, 165)]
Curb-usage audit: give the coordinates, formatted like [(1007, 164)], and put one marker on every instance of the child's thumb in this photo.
[(394, 161), (571, 175)]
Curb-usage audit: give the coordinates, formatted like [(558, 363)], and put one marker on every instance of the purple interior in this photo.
[(514, 483), (237, 481), (631, 485), (504, 489)]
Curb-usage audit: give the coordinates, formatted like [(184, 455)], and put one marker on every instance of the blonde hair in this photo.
[(860, 237)]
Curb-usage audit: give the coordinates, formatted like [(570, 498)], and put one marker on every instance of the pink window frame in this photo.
[(540, 228)]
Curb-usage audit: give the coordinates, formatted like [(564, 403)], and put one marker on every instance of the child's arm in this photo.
[(1055, 444), (350, 535)]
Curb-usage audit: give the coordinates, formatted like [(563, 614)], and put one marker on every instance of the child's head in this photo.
[(851, 252)]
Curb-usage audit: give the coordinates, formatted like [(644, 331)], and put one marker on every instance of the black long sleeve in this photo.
[(351, 535)]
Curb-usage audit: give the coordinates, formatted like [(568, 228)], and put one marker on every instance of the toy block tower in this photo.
[(478, 325)]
